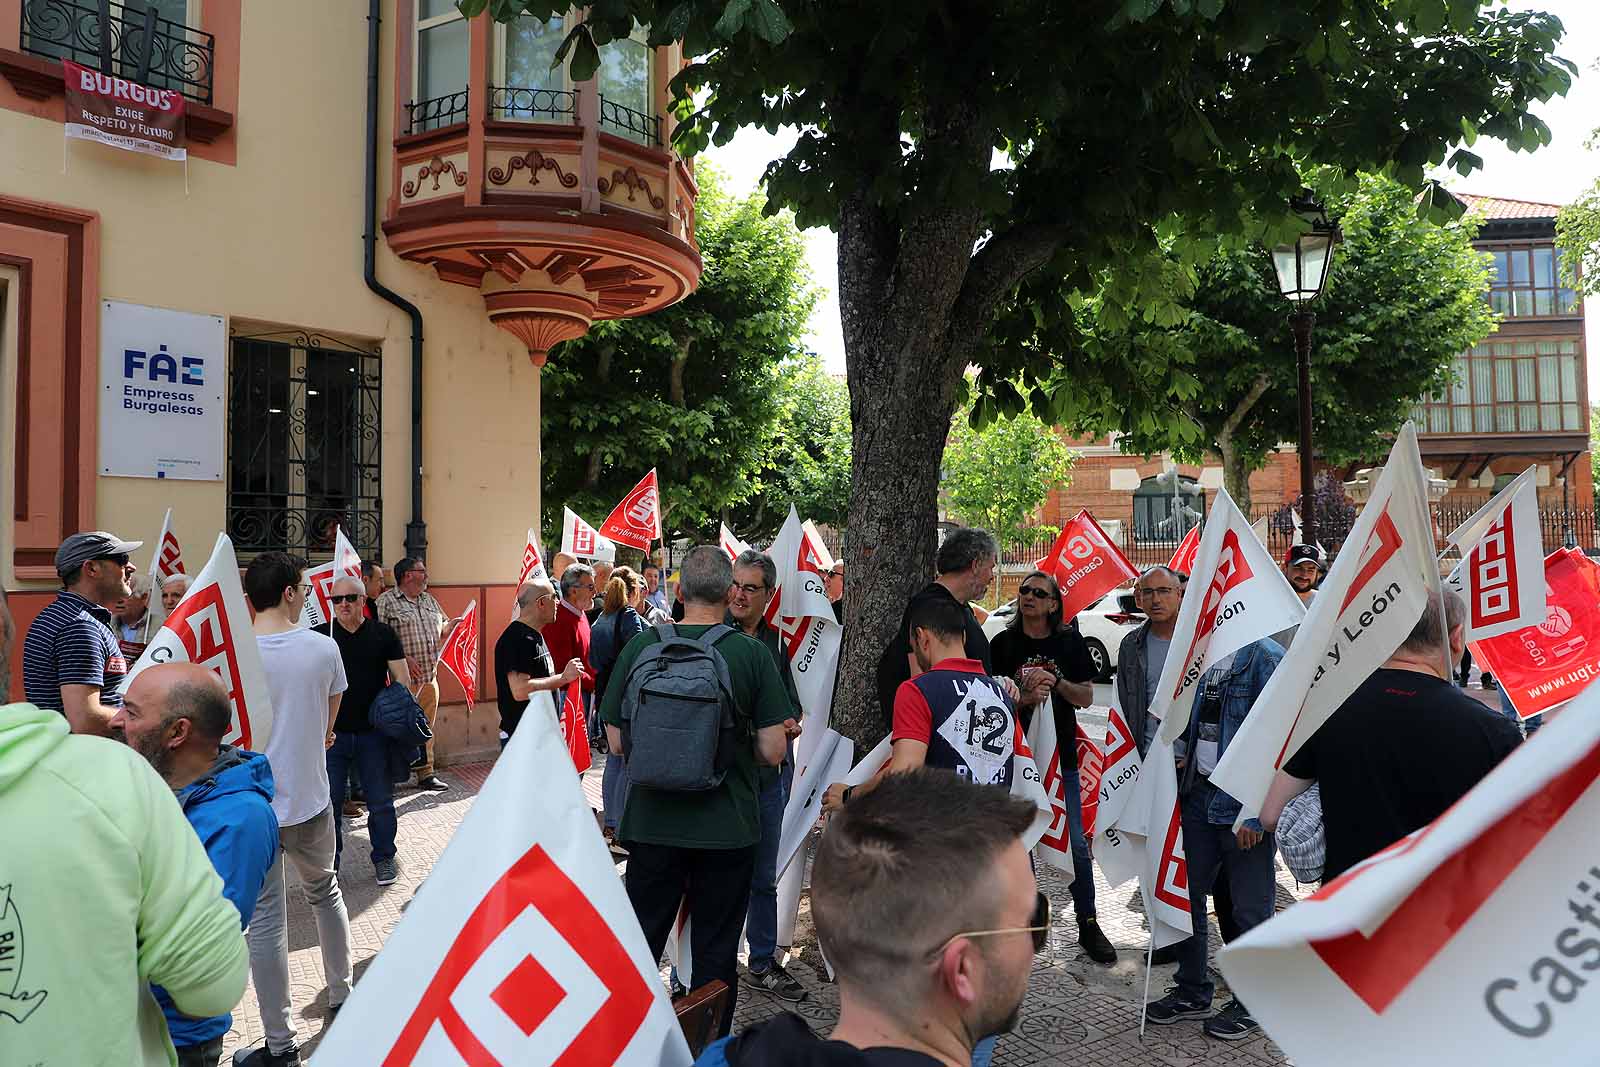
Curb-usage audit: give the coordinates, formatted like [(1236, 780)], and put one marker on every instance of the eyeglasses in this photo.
[(1038, 926), (1151, 594), (750, 590), (1034, 591), (345, 598)]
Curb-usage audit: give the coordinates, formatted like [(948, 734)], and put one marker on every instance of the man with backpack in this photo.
[(694, 709)]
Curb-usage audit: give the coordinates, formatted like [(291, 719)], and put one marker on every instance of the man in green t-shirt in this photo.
[(702, 846)]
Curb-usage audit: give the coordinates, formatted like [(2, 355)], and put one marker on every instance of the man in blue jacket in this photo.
[(175, 715)]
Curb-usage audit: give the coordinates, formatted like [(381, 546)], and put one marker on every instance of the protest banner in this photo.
[(575, 727), (1469, 942), (521, 946), (459, 653), (1236, 595), (123, 114), (1119, 859), (1085, 564), (1367, 605), (1091, 771), (346, 563), (1055, 845), (1183, 559), (1542, 666), (829, 764), (636, 520), (211, 627), (1501, 574), (582, 541), (1146, 840)]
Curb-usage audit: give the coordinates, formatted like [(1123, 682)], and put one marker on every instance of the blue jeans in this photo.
[(614, 789), (761, 921), (368, 753), (1082, 864), (1529, 726), (1212, 852)]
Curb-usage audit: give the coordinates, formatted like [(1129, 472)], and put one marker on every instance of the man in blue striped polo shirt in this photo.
[(70, 659)]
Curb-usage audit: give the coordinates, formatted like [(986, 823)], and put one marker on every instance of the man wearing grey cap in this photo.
[(70, 659)]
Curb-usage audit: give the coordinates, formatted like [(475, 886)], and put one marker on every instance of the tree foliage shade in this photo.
[(997, 476)]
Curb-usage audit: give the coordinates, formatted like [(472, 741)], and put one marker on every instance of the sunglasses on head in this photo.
[(1038, 926), (345, 598)]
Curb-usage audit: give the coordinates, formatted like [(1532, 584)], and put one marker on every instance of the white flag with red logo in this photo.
[(1027, 782), (459, 653), (1091, 770), (346, 563), (1235, 596), (521, 947), (802, 562), (636, 521), (1150, 833), (1501, 575), (1366, 607), (1055, 845), (730, 543), (211, 627), (168, 557), (582, 541), (532, 560), (1119, 858), (1470, 942), (1183, 559), (1085, 564)]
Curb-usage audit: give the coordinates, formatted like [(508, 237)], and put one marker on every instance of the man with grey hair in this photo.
[(701, 845), (567, 635), (173, 586), (1400, 750), (522, 662), (966, 565), (132, 617)]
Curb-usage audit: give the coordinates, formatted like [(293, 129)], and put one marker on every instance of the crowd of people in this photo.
[(922, 893)]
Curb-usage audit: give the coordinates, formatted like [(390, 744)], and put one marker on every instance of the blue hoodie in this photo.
[(230, 808)]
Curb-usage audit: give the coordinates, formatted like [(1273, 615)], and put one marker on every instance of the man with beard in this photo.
[(924, 896), (1304, 566), (175, 715)]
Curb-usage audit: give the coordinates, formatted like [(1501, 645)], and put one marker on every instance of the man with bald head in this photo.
[(522, 662), (175, 715), (373, 657)]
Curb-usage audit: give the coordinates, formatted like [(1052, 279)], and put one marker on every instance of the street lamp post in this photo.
[(1302, 270)]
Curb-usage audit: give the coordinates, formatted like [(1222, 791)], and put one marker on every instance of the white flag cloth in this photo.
[(730, 543), (1501, 575), (1028, 783), (1469, 942), (346, 563), (1149, 837), (167, 559), (1368, 604), (532, 560), (1235, 596), (521, 946), (211, 627), (1259, 528), (1055, 846), (801, 563), (582, 541), (1118, 856), (829, 764)]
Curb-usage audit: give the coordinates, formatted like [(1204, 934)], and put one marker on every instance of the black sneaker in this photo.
[(1174, 1006), (388, 871), (779, 982), (1093, 941), (1232, 1023), (260, 1057), (433, 784)]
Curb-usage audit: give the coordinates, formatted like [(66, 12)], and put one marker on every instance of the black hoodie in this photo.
[(786, 1041)]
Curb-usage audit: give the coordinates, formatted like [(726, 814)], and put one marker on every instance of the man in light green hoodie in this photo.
[(104, 889)]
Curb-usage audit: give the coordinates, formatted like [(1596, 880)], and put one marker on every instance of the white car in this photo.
[(1103, 624)]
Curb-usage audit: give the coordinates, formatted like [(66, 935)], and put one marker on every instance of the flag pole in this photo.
[(1149, 961)]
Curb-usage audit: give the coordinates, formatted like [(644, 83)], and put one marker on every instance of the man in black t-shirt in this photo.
[(522, 664), (966, 564), (1400, 750), (372, 656)]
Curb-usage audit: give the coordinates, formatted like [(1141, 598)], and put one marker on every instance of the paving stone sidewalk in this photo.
[(1077, 1012)]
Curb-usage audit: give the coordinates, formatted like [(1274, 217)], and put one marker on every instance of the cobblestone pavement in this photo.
[(1076, 1012)]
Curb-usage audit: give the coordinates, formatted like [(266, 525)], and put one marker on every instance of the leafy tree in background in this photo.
[(689, 390), (1404, 298), (808, 462), (1179, 122), (998, 476)]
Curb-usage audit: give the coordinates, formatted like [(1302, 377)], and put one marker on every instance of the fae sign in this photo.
[(161, 386)]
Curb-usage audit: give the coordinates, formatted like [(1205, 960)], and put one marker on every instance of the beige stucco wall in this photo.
[(275, 240)]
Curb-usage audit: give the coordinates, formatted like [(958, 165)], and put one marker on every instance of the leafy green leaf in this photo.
[(733, 18)]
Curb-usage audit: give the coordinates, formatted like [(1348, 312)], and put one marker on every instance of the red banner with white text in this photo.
[(1086, 564)]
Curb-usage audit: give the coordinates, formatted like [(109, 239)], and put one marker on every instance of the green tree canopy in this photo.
[(808, 461), (998, 476), (693, 390)]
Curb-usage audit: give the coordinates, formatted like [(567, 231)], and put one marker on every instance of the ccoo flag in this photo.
[(1086, 564), (582, 541), (1501, 575), (521, 947), (346, 563), (211, 627), (459, 653), (636, 521)]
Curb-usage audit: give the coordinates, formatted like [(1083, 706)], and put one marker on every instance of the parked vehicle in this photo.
[(1103, 625)]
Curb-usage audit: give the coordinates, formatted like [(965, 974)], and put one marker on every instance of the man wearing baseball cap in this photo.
[(70, 659), (1304, 565)]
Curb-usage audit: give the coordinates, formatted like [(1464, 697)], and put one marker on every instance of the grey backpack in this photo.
[(679, 726)]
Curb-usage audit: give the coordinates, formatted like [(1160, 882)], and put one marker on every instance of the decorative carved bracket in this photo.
[(434, 168), (533, 161), (630, 180)]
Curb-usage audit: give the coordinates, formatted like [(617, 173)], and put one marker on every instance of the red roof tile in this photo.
[(1499, 207)]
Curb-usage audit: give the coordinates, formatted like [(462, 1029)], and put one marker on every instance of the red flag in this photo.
[(574, 727), (1548, 664), (1086, 563), (1091, 768), (637, 520), (460, 653), (1183, 559)]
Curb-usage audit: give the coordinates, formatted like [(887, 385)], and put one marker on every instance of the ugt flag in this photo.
[(521, 947), (1183, 559), (574, 727), (1368, 604), (459, 653), (582, 541), (1501, 575), (1473, 941), (211, 627), (1235, 596), (636, 520), (346, 563), (1091, 770), (1085, 564), (1551, 662)]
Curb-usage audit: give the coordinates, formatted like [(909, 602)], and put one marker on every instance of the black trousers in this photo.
[(716, 883), (206, 1055)]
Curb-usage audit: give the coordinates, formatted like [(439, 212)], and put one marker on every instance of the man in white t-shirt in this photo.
[(305, 674)]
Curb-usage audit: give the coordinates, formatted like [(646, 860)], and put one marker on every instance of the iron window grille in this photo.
[(437, 113), (511, 102), (137, 45), (304, 444), (635, 125)]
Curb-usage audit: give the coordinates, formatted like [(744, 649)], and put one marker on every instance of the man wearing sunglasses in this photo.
[(71, 660), (926, 906)]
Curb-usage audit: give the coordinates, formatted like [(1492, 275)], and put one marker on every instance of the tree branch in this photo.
[(996, 270), (1257, 390)]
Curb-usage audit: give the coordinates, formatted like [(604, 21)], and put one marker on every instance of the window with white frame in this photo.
[(440, 78)]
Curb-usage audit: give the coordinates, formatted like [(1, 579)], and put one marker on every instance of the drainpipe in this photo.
[(416, 529)]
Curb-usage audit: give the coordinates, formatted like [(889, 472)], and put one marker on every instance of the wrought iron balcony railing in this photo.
[(434, 114), (541, 105), (113, 39), (635, 125)]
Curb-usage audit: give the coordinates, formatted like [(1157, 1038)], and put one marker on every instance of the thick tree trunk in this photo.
[(675, 373)]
